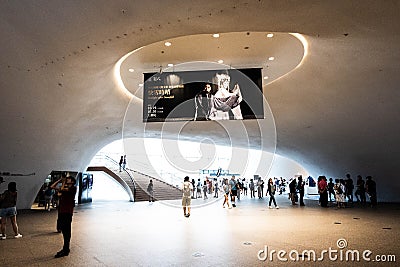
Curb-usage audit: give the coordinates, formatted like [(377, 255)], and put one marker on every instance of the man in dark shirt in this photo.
[(370, 187), (65, 211)]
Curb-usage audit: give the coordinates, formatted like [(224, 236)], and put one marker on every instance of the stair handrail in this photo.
[(105, 158)]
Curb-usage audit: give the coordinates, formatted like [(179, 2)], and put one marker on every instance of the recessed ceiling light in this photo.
[(216, 35), (266, 77), (131, 70), (271, 58), (220, 61), (270, 35), (167, 44), (170, 65), (140, 84)]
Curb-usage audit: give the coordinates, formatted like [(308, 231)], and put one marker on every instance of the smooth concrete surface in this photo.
[(155, 234)]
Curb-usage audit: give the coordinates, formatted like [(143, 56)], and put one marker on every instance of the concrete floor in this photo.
[(156, 234)]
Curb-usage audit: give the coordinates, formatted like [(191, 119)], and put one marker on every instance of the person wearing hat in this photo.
[(9, 210)]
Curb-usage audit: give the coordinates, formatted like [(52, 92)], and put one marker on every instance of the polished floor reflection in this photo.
[(155, 234)]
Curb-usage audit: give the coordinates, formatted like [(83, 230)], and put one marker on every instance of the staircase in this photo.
[(135, 183), (162, 190)]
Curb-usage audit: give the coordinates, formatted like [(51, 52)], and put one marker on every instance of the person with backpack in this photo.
[(187, 189)]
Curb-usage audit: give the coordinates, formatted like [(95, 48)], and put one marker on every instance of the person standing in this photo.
[(245, 185), (300, 188), (370, 188), (271, 189), (65, 211), (292, 190), (48, 197), (233, 190), (187, 189), (349, 187), (360, 190), (331, 191), (124, 163), (340, 191), (150, 191), (323, 191), (226, 189), (216, 187), (9, 210), (194, 186), (121, 160), (251, 186)]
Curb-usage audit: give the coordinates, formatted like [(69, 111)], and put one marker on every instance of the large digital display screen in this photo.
[(232, 94)]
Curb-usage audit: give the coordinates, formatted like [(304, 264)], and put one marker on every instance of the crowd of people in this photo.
[(337, 191)]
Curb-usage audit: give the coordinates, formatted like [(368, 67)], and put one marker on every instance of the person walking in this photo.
[(9, 210), (226, 189), (65, 211), (150, 191), (187, 189), (233, 190), (121, 161), (271, 189)]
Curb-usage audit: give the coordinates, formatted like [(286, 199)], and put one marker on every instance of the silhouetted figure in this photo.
[(124, 163), (370, 188), (150, 191), (360, 190), (349, 187), (245, 185), (300, 188), (121, 161), (292, 191), (331, 190)]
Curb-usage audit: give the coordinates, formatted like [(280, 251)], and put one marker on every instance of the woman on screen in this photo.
[(226, 100)]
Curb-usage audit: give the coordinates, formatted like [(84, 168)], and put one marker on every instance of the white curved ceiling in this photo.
[(337, 113)]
